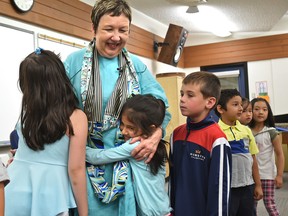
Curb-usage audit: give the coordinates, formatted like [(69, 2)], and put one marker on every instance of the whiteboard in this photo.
[(15, 45)]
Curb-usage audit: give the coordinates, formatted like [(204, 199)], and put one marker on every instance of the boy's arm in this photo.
[(219, 178), (258, 193), (253, 149), (104, 156), (279, 161)]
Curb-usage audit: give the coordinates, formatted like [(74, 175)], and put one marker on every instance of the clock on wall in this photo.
[(23, 5)]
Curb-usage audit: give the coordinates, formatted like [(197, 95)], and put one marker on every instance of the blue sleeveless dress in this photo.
[(39, 181)]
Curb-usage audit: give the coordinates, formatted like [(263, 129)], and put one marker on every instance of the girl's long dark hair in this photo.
[(48, 99), (269, 122), (145, 111)]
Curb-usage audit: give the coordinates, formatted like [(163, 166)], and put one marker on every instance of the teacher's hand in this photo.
[(147, 147)]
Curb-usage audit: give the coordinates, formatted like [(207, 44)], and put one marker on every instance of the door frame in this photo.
[(243, 74)]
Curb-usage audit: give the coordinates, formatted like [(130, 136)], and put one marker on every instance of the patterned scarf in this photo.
[(91, 93)]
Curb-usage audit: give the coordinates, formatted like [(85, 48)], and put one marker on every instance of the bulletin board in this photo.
[(15, 45)]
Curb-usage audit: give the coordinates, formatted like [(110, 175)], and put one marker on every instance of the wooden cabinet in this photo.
[(284, 137), (171, 83)]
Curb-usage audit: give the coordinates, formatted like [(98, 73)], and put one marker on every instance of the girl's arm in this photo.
[(279, 161), (2, 199), (104, 156), (76, 163), (4, 180), (258, 192)]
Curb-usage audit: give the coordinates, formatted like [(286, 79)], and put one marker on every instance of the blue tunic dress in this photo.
[(151, 196), (124, 205), (39, 181)]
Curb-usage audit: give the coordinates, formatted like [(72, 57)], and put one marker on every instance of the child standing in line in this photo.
[(200, 152), (245, 175), (246, 115), (268, 142), (4, 180), (141, 115), (49, 165)]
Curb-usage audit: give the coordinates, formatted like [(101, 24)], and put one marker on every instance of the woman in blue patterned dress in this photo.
[(104, 75)]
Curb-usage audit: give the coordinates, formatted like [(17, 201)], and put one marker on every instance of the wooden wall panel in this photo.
[(55, 15), (72, 17), (252, 49)]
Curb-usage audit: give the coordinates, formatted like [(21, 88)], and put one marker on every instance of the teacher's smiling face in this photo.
[(112, 35)]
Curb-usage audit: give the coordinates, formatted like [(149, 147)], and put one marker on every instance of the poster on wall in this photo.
[(262, 90)]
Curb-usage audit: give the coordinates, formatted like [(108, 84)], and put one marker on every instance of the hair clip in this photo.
[(38, 50)]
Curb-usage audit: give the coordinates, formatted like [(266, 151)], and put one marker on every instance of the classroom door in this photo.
[(231, 76)]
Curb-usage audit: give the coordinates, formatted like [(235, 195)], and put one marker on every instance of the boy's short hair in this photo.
[(209, 83), (226, 95)]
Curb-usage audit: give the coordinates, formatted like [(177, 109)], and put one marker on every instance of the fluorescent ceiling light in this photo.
[(213, 20), (222, 33)]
